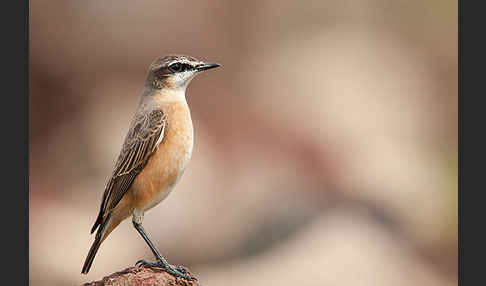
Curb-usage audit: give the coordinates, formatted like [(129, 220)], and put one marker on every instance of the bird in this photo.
[(154, 155)]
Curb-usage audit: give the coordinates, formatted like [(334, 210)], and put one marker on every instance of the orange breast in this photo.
[(167, 164)]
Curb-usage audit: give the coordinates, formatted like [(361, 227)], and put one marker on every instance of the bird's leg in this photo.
[(179, 271)]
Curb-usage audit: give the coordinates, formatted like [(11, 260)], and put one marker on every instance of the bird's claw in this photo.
[(178, 271), (141, 262), (181, 269)]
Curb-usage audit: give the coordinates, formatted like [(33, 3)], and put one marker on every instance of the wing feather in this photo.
[(145, 134)]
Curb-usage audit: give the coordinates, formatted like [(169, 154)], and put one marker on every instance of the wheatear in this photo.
[(155, 153)]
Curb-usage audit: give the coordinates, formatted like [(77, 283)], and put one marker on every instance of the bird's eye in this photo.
[(175, 67)]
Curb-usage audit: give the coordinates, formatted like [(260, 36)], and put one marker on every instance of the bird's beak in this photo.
[(206, 66)]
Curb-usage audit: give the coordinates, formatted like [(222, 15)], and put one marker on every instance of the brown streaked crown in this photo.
[(166, 60)]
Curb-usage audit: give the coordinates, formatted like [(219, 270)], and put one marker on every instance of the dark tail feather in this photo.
[(97, 222), (96, 244), (91, 255), (99, 219)]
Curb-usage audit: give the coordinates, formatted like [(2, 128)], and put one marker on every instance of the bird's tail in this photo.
[(100, 236)]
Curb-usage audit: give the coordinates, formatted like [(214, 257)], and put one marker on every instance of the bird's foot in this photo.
[(178, 271), (181, 269)]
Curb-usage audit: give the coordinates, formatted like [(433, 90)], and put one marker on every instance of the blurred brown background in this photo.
[(325, 147)]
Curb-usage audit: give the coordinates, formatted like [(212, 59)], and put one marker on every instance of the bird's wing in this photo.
[(145, 134)]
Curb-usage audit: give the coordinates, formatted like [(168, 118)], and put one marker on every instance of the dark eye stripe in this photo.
[(176, 67), (180, 67), (186, 67)]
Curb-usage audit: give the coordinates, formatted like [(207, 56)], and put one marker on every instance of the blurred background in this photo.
[(325, 147)]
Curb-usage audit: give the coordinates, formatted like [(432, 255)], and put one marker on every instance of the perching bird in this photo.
[(155, 153)]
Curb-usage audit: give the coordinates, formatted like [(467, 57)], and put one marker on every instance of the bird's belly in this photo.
[(162, 172)]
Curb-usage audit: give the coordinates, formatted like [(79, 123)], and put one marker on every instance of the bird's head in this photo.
[(175, 71)]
